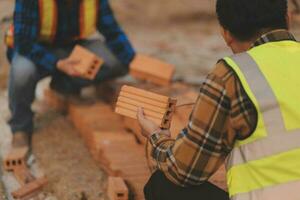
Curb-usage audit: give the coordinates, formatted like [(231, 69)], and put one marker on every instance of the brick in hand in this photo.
[(89, 63), (152, 70), (157, 108)]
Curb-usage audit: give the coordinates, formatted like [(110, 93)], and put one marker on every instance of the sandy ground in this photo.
[(184, 33)]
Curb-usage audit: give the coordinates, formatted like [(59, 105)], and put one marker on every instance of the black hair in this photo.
[(246, 19)]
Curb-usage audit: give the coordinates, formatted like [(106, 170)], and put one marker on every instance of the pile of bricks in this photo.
[(116, 150), (119, 149), (30, 186)]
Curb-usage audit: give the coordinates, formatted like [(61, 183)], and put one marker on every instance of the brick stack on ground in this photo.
[(116, 143)]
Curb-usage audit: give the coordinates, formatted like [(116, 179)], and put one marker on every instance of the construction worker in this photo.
[(45, 32), (247, 113)]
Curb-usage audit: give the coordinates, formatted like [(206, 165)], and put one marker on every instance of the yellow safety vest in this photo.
[(266, 166), (48, 21)]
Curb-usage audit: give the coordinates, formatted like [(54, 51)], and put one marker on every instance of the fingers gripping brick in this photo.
[(157, 108), (89, 63)]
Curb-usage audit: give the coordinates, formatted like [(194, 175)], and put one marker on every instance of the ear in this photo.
[(289, 16), (227, 36)]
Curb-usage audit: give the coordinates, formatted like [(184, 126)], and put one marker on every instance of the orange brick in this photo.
[(151, 69), (89, 63), (15, 159), (54, 100), (117, 189), (131, 98), (30, 188), (144, 93), (141, 104), (23, 175)]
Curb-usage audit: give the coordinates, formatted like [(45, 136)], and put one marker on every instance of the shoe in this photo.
[(21, 140)]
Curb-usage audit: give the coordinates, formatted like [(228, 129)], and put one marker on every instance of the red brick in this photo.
[(144, 93), (151, 69), (55, 101), (23, 175), (89, 64), (30, 188), (15, 159)]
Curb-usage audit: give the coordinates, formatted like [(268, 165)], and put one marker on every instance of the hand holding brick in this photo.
[(152, 70), (157, 108), (89, 63)]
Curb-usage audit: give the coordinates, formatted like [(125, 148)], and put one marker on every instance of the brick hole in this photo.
[(120, 195), (7, 163), (14, 162), (168, 113), (20, 162)]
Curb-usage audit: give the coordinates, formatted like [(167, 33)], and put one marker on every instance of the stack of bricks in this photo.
[(152, 70), (15, 162), (157, 108), (116, 150), (88, 63)]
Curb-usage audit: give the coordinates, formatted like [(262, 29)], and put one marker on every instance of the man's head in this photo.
[(243, 21)]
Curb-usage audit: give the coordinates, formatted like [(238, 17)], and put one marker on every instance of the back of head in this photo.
[(247, 19)]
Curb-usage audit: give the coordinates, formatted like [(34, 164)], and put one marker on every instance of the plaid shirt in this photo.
[(223, 114), (26, 26)]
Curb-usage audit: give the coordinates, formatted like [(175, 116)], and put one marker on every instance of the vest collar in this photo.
[(274, 36)]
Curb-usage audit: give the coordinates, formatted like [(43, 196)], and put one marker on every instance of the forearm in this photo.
[(180, 162), (116, 39)]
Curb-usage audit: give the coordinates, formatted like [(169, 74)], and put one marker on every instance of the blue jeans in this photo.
[(24, 76)]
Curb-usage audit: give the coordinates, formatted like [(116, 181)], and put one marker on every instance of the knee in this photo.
[(23, 71)]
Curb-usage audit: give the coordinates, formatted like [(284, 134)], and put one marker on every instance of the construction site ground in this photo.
[(184, 33)]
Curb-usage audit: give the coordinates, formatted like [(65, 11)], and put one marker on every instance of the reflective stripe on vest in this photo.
[(9, 37), (88, 17), (267, 160), (48, 21)]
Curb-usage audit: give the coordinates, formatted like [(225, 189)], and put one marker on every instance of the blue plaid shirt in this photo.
[(26, 31)]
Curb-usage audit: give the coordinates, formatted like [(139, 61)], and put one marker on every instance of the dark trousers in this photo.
[(160, 188)]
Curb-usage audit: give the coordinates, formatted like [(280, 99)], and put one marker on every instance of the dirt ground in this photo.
[(184, 33)]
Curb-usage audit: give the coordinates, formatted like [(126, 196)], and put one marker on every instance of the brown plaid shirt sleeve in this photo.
[(222, 114)]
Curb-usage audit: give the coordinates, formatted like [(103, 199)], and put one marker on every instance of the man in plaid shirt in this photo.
[(223, 113), (33, 59)]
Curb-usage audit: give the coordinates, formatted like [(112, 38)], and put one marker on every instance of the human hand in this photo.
[(67, 66), (148, 126)]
